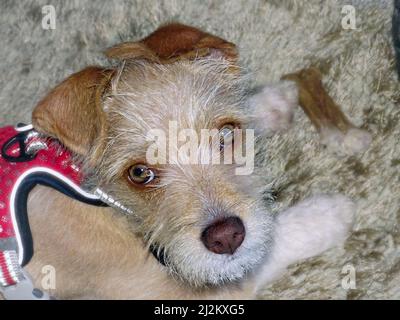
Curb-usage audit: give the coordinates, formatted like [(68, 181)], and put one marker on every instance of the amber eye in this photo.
[(226, 135), (141, 174)]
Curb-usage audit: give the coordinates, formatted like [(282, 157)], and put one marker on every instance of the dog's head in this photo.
[(170, 87)]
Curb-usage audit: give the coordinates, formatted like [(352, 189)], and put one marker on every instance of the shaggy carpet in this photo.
[(275, 37)]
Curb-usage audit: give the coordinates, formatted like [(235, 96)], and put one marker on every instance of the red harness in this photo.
[(27, 159)]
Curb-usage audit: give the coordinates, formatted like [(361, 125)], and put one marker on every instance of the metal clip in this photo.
[(27, 145), (24, 290)]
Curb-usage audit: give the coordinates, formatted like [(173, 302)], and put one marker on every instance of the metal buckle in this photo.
[(28, 146), (24, 290), (23, 156)]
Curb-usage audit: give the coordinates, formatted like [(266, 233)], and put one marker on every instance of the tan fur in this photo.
[(96, 255), (71, 111), (92, 113), (336, 131), (177, 74), (174, 42)]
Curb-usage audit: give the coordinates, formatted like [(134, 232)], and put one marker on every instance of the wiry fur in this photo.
[(275, 38), (197, 95), (201, 94)]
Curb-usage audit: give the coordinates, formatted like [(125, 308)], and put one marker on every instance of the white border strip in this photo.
[(14, 193), (24, 128)]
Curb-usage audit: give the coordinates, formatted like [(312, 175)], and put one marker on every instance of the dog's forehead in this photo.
[(192, 94)]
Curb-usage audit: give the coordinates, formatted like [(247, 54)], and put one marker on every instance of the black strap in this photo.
[(158, 254), (48, 180), (21, 200)]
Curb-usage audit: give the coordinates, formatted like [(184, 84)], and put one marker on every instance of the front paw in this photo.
[(350, 143), (333, 215), (273, 107), (314, 225)]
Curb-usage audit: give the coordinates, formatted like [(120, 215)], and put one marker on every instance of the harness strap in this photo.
[(27, 160)]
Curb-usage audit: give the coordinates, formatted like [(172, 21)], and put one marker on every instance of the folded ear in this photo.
[(72, 111), (174, 42)]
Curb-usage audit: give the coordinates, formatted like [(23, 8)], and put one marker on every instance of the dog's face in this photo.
[(206, 220)]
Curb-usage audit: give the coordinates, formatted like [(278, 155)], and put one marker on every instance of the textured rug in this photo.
[(275, 37)]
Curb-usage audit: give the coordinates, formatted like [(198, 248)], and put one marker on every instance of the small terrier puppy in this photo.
[(206, 224)]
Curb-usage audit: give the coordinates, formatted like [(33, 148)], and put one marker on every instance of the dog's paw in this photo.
[(331, 215), (313, 226), (273, 107), (353, 142), (356, 141)]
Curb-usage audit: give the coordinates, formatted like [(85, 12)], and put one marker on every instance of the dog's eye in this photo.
[(226, 135), (140, 174)]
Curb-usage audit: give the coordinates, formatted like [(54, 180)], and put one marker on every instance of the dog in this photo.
[(208, 228)]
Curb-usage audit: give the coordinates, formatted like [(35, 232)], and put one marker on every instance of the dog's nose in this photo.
[(224, 236)]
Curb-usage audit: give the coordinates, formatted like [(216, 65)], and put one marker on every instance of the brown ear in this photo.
[(174, 42), (72, 111)]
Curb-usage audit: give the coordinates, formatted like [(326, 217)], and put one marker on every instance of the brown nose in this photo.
[(224, 236)]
